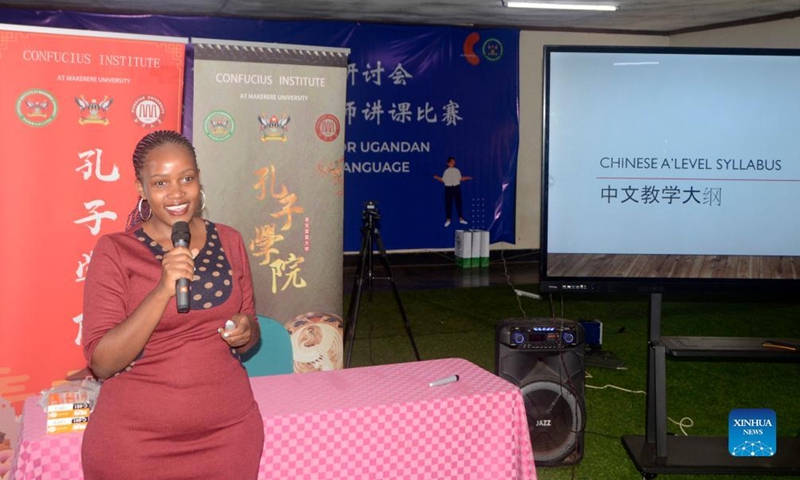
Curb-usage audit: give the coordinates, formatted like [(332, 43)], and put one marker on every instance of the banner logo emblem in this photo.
[(327, 128), (92, 111), (469, 48), (492, 50), (147, 111), (219, 126), (37, 108), (273, 128)]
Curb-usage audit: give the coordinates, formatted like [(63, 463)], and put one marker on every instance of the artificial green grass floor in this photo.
[(461, 323)]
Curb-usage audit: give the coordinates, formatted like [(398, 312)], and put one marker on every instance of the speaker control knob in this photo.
[(518, 338), (568, 337)]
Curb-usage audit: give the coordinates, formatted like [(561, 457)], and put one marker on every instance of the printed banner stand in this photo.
[(269, 132), (73, 105)]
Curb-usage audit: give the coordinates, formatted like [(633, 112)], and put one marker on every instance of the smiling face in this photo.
[(170, 182)]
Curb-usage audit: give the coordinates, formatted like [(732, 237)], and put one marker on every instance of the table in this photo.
[(383, 422)]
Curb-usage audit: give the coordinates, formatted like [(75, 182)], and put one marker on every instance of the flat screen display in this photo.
[(669, 169)]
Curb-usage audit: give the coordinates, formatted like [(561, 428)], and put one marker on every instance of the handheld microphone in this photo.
[(181, 237)]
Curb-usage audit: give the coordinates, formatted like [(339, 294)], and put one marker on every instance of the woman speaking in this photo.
[(176, 401)]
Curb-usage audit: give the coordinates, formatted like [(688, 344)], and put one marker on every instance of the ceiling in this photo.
[(662, 17)]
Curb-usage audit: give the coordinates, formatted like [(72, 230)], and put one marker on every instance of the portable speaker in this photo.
[(545, 358)]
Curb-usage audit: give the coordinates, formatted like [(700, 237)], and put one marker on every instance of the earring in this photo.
[(139, 208), (203, 206)]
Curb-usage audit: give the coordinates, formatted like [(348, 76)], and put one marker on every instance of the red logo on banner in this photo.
[(147, 111), (469, 48), (327, 128)]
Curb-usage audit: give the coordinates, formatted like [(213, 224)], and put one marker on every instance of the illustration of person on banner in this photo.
[(168, 309), (452, 178)]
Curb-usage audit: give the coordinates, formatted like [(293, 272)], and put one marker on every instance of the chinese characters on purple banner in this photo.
[(400, 112)]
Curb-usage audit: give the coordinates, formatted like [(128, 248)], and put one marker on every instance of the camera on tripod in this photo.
[(370, 211), (370, 239)]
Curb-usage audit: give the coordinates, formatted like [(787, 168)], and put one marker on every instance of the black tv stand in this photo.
[(656, 452)]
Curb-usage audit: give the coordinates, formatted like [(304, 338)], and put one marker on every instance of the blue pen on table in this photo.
[(444, 381)]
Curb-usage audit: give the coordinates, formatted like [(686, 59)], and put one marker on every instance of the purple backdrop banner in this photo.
[(415, 96)]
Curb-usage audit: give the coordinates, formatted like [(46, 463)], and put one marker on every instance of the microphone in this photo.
[(181, 237)]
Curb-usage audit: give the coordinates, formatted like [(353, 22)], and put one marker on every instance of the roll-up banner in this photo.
[(268, 126), (73, 104)]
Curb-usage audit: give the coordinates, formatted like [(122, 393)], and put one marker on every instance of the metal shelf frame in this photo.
[(655, 452)]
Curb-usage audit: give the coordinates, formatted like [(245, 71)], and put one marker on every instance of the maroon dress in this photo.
[(184, 408)]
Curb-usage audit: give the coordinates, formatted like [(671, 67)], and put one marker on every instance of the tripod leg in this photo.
[(355, 296), (385, 261), (369, 269)]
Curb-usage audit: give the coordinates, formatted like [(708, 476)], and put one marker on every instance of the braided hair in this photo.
[(146, 145)]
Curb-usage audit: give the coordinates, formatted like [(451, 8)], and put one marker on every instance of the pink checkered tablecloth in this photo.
[(38, 455), (378, 423), (385, 422)]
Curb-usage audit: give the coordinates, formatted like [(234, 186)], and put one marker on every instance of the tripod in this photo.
[(370, 237)]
